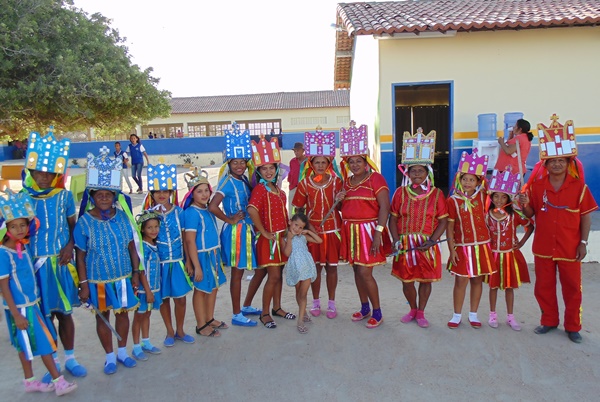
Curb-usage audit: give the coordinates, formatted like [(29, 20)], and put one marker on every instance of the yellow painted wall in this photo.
[(537, 71), (335, 118)]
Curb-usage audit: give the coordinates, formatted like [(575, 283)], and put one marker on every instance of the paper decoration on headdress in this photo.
[(265, 152), (46, 153), (353, 140), (162, 177), (16, 205), (196, 177), (418, 149), (103, 173), (237, 143), (505, 182), (557, 141), (146, 215), (473, 163), (319, 143)]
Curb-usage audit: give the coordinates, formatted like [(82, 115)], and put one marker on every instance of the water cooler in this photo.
[(487, 141)]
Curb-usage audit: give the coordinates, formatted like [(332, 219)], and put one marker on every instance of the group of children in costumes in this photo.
[(125, 263)]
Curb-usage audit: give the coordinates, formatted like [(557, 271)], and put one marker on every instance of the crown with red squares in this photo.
[(265, 152), (505, 182), (354, 140), (319, 143), (557, 141), (473, 163)]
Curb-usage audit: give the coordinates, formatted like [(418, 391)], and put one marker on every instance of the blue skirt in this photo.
[(237, 246), (117, 296), (212, 271), (144, 302), (175, 282), (58, 292), (38, 338)]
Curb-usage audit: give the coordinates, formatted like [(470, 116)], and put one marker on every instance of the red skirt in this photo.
[(270, 253), (473, 261), (327, 252), (416, 265), (511, 271), (357, 238)]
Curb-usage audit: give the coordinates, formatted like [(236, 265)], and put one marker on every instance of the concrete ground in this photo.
[(342, 360)]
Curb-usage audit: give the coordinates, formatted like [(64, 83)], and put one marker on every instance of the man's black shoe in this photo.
[(574, 336), (543, 329)]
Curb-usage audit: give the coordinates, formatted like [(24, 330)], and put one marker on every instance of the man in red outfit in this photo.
[(561, 204)]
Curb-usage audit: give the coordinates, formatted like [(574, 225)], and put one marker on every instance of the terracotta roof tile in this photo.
[(465, 15), (270, 101)]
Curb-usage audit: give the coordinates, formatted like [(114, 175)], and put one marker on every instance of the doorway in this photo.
[(425, 105)]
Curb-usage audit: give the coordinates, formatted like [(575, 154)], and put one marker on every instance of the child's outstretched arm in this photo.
[(312, 237), (20, 321)]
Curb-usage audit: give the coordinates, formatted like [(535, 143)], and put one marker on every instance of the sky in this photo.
[(227, 47)]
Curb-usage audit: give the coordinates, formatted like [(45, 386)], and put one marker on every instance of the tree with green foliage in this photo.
[(60, 66)]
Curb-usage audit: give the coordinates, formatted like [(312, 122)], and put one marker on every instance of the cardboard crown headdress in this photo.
[(146, 215), (557, 141), (418, 149), (473, 163), (196, 177), (505, 182), (265, 152), (319, 143), (162, 177), (353, 140), (16, 205), (103, 172), (46, 153), (237, 143)]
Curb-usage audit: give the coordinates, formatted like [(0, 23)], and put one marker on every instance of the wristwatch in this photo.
[(584, 242)]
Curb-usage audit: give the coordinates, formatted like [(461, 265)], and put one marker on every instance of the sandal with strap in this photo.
[(306, 318), (222, 325), (287, 316), (302, 329), (213, 334), (269, 324)]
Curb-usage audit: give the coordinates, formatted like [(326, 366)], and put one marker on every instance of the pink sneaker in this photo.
[(37, 386), (63, 387), (493, 321), (421, 320), (513, 323), (409, 317)]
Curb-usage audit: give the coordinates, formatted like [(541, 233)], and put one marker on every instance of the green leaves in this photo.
[(59, 66)]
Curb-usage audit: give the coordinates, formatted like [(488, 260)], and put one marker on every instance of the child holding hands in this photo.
[(300, 267)]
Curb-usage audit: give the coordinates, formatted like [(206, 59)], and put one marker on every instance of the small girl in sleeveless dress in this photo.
[(300, 268)]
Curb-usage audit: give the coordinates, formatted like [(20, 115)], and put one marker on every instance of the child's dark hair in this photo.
[(507, 208), (300, 216)]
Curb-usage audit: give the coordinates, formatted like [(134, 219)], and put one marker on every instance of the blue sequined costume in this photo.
[(175, 282)]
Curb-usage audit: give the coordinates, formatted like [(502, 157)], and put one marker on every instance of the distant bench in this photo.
[(8, 173)]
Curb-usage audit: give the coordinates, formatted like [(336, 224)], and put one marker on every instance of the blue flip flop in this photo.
[(185, 339), (243, 322)]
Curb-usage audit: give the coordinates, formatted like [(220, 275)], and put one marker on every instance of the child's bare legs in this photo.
[(66, 330), (493, 320), (235, 289), (273, 278), (277, 291), (368, 291), (301, 296), (28, 367), (316, 285), (165, 313), (408, 288), (254, 285), (211, 301), (476, 289), (180, 304), (424, 293), (136, 327), (104, 333), (332, 280), (510, 300), (199, 304), (458, 298)]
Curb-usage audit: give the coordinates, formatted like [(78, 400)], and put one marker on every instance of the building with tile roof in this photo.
[(440, 64)]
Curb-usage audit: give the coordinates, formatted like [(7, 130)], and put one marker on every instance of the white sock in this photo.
[(456, 318), (111, 358), (122, 353), (473, 317)]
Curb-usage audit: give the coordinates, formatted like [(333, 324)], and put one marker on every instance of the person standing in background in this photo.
[(124, 172), (138, 153), (294, 174)]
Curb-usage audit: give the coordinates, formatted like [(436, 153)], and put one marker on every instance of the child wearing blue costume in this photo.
[(52, 245), (237, 235), (30, 332), (204, 253), (176, 284), (149, 294), (108, 255)]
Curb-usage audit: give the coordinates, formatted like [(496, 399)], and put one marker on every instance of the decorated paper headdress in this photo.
[(473, 163), (16, 205), (237, 143), (505, 182), (162, 177), (353, 140), (557, 141), (265, 152), (196, 177), (418, 149), (47, 154), (146, 215), (319, 143), (103, 173)]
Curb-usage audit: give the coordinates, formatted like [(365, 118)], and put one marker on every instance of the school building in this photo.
[(438, 64)]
